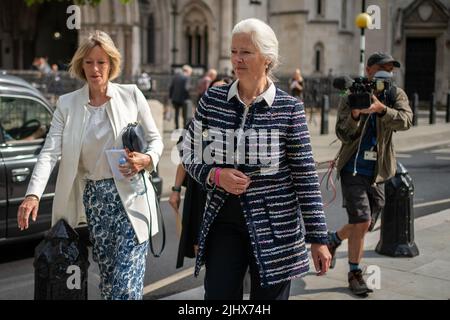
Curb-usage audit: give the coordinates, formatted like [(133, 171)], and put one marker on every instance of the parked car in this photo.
[(25, 117)]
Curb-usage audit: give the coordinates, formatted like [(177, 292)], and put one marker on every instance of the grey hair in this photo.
[(264, 39)]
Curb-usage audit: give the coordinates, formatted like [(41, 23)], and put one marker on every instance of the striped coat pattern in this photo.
[(282, 208)]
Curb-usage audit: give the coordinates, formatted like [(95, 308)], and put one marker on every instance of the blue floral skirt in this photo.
[(120, 257)]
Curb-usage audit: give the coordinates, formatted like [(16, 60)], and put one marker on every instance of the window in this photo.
[(320, 7), (318, 53), (150, 40), (198, 42), (190, 47), (344, 14), (319, 58), (195, 44), (23, 119)]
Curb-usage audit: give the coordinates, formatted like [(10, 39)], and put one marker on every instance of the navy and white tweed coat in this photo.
[(283, 209)]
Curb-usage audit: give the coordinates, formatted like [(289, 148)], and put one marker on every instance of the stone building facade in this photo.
[(318, 36)]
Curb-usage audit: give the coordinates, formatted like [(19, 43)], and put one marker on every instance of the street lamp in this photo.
[(174, 6), (363, 21)]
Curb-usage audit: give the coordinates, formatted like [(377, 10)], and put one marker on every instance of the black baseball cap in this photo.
[(382, 58)]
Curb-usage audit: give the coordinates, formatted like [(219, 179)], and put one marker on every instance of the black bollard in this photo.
[(447, 114), (397, 220), (433, 109), (324, 115), (415, 108), (60, 264)]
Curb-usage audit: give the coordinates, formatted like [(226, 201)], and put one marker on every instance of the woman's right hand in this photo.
[(234, 181), (30, 205), (174, 200)]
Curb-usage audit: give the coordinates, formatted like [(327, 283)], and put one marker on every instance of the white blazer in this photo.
[(67, 131)]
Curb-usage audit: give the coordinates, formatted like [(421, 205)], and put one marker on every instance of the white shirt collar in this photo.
[(85, 89), (268, 95)]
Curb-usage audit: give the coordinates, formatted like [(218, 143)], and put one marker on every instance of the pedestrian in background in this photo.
[(193, 205), (296, 85), (205, 82), (55, 85), (179, 93)]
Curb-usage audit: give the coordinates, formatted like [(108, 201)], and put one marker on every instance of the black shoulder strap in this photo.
[(392, 96), (158, 213)]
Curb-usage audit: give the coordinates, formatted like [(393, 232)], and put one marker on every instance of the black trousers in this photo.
[(229, 255), (183, 108)]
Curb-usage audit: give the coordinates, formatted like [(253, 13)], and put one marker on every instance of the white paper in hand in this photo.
[(113, 157)]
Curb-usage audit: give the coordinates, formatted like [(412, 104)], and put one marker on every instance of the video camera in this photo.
[(361, 89)]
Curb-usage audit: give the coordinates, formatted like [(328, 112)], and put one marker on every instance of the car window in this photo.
[(23, 120)]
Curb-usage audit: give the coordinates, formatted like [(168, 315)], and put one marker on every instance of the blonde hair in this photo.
[(104, 41)]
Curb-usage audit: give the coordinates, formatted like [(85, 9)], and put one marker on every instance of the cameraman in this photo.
[(365, 161)]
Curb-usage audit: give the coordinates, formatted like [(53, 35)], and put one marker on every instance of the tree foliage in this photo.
[(79, 2)]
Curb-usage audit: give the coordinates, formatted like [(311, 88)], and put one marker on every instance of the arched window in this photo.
[(196, 38)]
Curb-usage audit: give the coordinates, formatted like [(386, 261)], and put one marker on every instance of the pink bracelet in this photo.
[(217, 176)]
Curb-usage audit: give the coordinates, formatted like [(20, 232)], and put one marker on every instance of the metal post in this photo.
[(433, 109), (362, 55), (174, 4), (61, 264), (324, 115), (415, 108), (397, 219), (447, 116)]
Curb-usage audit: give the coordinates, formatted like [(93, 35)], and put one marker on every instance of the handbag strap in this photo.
[(158, 212)]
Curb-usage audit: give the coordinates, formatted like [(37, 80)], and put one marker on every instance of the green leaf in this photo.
[(79, 2)]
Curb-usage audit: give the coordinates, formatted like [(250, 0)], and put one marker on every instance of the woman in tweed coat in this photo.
[(249, 146)]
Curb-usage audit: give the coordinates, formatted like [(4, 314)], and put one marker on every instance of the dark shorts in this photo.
[(361, 197)]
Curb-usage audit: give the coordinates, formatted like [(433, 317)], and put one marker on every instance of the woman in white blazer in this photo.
[(86, 123)]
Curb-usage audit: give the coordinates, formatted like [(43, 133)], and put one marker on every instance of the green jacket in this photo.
[(348, 130)]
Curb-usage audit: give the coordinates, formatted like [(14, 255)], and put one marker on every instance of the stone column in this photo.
[(226, 26)]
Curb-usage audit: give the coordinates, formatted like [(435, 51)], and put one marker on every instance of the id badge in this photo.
[(370, 156)]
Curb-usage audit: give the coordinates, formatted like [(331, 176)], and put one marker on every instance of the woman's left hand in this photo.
[(321, 258), (136, 162)]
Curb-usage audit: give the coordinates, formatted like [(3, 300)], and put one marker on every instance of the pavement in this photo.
[(426, 276)]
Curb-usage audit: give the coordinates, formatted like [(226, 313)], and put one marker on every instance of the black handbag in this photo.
[(133, 137), (133, 140)]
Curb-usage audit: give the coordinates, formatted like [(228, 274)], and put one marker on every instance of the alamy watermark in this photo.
[(375, 12), (74, 20), (374, 277), (74, 280), (233, 147)]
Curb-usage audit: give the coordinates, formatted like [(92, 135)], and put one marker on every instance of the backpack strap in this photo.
[(392, 96)]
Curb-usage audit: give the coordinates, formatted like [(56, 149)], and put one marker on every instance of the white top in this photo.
[(99, 138)]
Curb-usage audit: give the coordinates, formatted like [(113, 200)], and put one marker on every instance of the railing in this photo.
[(319, 94), (315, 87)]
